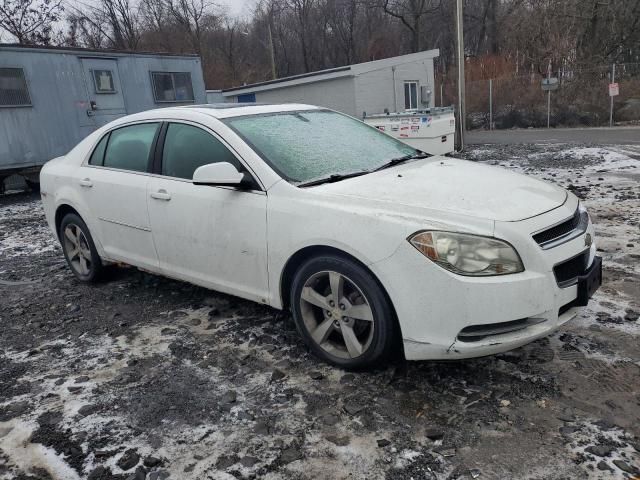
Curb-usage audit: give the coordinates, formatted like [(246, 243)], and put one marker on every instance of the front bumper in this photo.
[(434, 306)]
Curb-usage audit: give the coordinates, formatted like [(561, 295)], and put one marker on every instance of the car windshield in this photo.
[(303, 146)]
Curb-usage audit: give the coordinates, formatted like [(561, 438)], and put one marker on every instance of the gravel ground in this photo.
[(144, 377)]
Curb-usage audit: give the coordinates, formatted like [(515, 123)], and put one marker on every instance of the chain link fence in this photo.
[(581, 99)]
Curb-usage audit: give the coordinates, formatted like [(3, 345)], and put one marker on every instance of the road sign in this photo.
[(549, 84), (614, 89)]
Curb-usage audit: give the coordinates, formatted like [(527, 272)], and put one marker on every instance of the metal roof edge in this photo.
[(92, 51), (330, 74), (360, 68), (320, 75)]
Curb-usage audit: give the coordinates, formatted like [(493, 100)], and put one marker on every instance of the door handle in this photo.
[(161, 195), (86, 182)]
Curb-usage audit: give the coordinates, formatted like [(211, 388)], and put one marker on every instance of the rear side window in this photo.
[(97, 157), (187, 148), (128, 147)]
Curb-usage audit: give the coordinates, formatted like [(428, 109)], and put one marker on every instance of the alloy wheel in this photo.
[(337, 314), (77, 249)]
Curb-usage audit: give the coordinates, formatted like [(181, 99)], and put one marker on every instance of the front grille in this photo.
[(567, 271), (475, 333), (576, 224)]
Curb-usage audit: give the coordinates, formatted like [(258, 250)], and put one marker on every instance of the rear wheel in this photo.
[(79, 249), (342, 312)]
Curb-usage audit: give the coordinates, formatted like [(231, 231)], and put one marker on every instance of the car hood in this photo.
[(456, 186)]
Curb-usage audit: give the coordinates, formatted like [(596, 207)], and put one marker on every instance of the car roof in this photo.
[(226, 110), (219, 111)]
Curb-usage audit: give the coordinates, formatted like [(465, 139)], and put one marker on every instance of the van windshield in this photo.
[(304, 146)]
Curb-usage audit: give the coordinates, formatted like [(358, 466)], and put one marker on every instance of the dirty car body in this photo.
[(461, 259)]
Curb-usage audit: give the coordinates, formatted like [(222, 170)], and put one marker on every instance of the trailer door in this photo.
[(104, 90)]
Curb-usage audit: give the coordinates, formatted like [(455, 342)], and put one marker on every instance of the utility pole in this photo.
[(272, 53), (549, 97), (461, 89)]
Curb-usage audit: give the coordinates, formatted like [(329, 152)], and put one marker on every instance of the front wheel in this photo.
[(79, 249), (341, 312)]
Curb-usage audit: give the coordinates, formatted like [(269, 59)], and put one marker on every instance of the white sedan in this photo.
[(372, 245)]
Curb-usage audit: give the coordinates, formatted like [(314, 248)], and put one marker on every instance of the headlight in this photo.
[(466, 254)]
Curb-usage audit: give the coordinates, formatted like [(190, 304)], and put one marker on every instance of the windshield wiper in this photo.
[(335, 177), (395, 161)]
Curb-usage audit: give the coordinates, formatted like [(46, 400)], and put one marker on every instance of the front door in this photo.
[(105, 100), (211, 236)]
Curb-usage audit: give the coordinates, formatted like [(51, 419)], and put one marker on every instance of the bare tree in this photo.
[(109, 23), (124, 23), (411, 13), (342, 17), (194, 17), (30, 21)]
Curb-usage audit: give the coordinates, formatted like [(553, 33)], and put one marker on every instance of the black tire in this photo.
[(94, 268), (380, 342)]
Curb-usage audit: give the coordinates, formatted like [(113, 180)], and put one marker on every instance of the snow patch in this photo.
[(26, 456)]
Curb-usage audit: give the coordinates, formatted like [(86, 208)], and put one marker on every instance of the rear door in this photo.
[(105, 100), (114, 185), (209, 235)]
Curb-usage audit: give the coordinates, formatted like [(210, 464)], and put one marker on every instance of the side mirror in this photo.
[(221, 174)]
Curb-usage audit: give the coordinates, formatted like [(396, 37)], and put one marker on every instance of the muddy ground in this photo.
[(143, 377)]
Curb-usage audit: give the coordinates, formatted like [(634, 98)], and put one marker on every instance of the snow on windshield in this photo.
[(303, 146)]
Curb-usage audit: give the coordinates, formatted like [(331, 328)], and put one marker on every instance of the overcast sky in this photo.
[(237, 7)]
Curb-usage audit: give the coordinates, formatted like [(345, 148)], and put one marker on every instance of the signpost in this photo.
[(549, 84), (614, 91)]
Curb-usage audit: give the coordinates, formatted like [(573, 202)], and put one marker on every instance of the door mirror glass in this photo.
[(220, 173)]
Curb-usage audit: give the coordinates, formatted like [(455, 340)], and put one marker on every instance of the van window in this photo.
[(128, 147), (187, 147)]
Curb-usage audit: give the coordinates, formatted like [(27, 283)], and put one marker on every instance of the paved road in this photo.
[(616, 135)]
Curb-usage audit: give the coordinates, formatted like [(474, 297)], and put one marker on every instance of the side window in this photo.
[(128, 147), (187, 148), (97, 157)]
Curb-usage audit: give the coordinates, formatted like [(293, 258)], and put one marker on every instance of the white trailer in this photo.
[(431, 130)]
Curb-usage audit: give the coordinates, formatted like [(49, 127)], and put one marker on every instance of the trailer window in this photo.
[(103, 81), (13, 88), (172, 87)]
